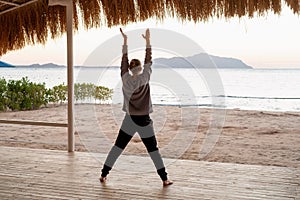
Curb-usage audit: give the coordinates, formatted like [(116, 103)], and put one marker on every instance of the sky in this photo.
[(271, 41)]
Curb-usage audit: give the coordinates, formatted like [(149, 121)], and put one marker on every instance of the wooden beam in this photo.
[(33, 123), (17, 7), (10, 3), (59, 2)]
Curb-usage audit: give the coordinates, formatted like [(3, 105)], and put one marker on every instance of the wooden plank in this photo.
[(33, 123), (10, 3), (35, 174), (17, 7)]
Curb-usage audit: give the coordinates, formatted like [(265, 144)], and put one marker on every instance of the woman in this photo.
[(137, 105)]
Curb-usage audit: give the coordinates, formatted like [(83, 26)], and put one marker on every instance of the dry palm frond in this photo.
[(294, 5), (90, 12)]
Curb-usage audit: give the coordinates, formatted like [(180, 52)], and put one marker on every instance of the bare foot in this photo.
[(102, 179), (167, 183)]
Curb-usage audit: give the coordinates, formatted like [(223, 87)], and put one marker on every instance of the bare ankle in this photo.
[(167, 182), (102, 179)]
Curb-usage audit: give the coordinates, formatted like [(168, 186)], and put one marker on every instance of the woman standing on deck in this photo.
[(137, 105)]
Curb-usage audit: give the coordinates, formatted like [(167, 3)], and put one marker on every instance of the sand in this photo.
[(249, 137)]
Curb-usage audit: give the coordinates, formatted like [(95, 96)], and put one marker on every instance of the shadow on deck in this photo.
[(49, 174)]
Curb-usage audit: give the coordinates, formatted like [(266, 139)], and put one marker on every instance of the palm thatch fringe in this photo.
[(294, 5), (36, 22), (90, 12), (118, 11), (27, 25)]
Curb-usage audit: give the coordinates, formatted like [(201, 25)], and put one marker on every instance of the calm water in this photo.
[(251, 89)]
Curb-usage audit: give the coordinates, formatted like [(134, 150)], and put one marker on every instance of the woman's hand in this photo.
[(147, 36), (124, 36)]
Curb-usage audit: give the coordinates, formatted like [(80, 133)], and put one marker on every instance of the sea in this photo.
[(245, 89)]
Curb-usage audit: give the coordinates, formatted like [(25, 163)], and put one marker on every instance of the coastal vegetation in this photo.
[(24, 94)]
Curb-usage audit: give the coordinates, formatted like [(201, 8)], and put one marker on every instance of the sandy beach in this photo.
[(250, 137)]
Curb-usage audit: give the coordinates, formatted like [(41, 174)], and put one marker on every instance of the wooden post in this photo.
[(71, 141), (69, 7)]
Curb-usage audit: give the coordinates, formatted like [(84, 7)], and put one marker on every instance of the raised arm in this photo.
[(148, 57), (124, 62)]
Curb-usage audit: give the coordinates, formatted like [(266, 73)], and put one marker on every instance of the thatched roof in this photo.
[(25, 22)]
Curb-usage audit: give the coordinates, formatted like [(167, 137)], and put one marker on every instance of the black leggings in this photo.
[(144, 126)]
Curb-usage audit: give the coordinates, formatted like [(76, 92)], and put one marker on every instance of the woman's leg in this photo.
[(151, 145), (125, 134), (148, 137)]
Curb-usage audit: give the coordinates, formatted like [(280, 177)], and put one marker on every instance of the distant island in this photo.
[(4, 64), (201, 60)]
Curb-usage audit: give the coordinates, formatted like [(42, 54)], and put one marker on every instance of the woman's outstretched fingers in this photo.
[(123, 34), (147, 34)]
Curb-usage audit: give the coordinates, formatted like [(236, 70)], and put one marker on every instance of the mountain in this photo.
[(48, 65), (3, 64), (202, 60)]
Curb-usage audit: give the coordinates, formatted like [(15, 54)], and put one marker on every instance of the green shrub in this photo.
[(89, 91), (84, 91), (26, 95), (3, 89), (14, 95), (38, 95), (103, 93), (58, 93)]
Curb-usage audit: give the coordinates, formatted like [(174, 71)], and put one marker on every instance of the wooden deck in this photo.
[(47, 174)]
